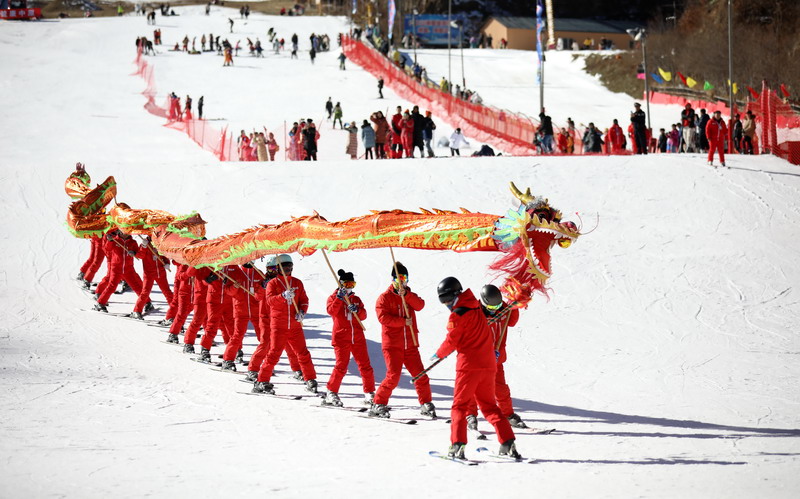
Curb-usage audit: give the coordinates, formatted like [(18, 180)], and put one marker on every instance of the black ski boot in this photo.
[(188, 348), (298, 375), (240, 357), (228, 365), (205, 355), (332, 398), (252, 376), (86, 284), (100, 307), (427, 409), (457, 450), (125, 287), (80, 276), (149, 307), (508, 448), (516, 421), (137, 316), (165, 322), (263, 387), (472, 422), (378, 411), (172, 338), (311, 386)]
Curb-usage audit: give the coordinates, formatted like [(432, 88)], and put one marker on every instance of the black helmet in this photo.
[(490, 295), (448, 289)]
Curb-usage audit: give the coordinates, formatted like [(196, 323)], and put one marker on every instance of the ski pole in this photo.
[(346, 298), (425, 371), (403, 299)]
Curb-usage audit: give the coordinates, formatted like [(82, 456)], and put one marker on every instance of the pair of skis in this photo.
[(492, 458)]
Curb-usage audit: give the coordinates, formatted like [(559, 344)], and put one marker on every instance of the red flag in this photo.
[(753, 93), (683, 78), (784, 91)]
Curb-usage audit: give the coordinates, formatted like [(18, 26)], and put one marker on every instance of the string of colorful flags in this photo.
[(664, 76)]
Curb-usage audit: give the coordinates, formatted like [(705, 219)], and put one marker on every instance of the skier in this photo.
[(716, 133), (396, 309), (347, 337), (154, 272), (219, 313), (469, 334), (342, 58), (288, 304), (119, 248), (329, 108), (95, 260), (200, 108), (183, 295), (505, 316), (199, 307), (245, 310), (380, 87)]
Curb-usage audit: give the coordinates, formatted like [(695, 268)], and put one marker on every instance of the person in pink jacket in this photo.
[(347, 337)]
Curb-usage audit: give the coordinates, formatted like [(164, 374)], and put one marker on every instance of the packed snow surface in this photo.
[(666, 356)]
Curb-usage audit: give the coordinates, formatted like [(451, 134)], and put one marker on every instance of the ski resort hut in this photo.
[(570, 33)]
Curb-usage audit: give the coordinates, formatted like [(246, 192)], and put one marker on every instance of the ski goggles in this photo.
[(401, 279), (493, 307), (349, 284)]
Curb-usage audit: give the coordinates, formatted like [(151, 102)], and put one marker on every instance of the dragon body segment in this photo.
[(523, 237)]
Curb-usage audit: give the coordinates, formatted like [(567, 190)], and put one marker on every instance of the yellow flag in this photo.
[(735, 86), (691, 82), (665, 74)]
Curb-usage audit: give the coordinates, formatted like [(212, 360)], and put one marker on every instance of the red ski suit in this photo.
[(199, 305), (616, 137), (499, 329), (717, 133), (398, 344), (245, 308), (397, 129), (97, 255), (470, 335), (220, 313), (183, 295), (347, 337), (121, 268), (262, 349), (407, 136), (284, 327), (153, 271)]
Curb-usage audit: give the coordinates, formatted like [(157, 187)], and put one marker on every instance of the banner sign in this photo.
[(20, 13), (431, 29)]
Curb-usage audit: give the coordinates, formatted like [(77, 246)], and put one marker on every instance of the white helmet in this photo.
[(272, 261), (284, 258)]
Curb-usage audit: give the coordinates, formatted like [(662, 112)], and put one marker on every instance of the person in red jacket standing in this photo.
[(121, 247), (469, 334), (97, 255), (244, 311), (407, 134), (199, 307), (183, 294), (219, 311), (153, 271), (397, 130), (501, 317), (616, 138), (288, 304), (716, 133), (396, 309), (261, 351), (347, 336)]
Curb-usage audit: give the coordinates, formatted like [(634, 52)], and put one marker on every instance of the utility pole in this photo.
[(730, 57)]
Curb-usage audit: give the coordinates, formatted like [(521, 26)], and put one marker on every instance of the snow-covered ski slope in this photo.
[(666, 355)]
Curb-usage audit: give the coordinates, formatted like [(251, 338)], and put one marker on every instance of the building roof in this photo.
[(569, 24)]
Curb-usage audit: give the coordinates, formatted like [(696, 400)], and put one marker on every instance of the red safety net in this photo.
[(504, 130), (777, 124), (201, 132)]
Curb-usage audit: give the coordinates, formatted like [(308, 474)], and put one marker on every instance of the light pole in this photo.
[(459, 24), (730, 58), (639, 34), (414, 41), (449, 31)]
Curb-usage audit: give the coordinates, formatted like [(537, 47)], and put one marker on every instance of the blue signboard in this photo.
[(431, 29)]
